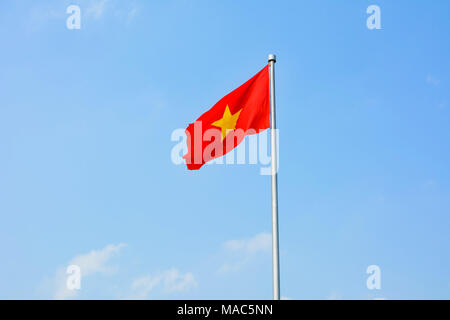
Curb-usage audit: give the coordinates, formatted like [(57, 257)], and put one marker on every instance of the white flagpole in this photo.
[(274, 157)]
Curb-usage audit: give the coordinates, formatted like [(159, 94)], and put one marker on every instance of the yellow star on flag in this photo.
[(228, 121)]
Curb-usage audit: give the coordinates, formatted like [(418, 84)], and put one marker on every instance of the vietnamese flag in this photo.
[(219, 130)]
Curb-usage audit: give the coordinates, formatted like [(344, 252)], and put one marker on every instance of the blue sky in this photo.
[(86, 175)]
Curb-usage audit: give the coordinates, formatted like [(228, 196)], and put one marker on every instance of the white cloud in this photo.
[(141, 287), (95, 261), (260, 242), (169, 281), (91, 263), (242, 251), (176, 282)]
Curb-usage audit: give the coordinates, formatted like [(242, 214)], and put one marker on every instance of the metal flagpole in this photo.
[(274, 157)]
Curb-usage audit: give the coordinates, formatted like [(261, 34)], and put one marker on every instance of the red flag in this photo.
[(219, 130)]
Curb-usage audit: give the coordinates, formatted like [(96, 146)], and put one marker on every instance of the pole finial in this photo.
[(272, 57)]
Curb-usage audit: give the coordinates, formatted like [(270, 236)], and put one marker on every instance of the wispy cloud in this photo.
[(260, 242), (169, 281), (94, 262), (125, 11), (430, 184), (242, 251), (41, 15), (132, 13), (96, 8), (432, 80), (334, 296)]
